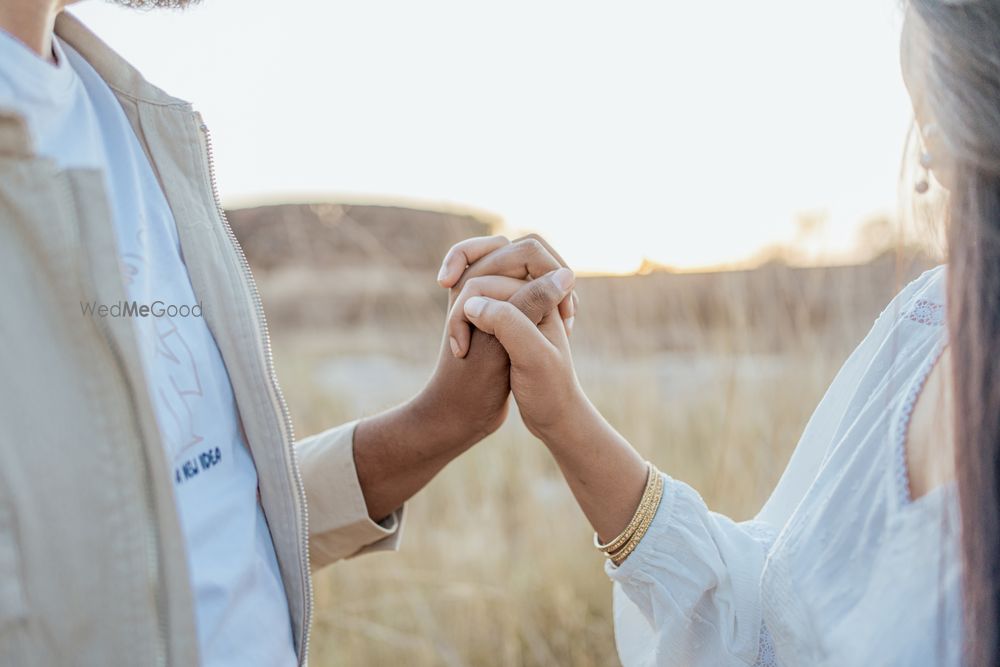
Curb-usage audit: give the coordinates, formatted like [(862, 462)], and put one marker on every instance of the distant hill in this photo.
[(347, 235), (334, 265)]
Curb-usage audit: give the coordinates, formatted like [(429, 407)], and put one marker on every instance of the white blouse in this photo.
[(841, 567)]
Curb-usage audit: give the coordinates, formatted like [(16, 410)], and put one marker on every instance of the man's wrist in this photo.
[(397, 452), (436, 425)]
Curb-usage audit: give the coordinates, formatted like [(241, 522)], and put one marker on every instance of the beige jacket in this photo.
[(92, 561)]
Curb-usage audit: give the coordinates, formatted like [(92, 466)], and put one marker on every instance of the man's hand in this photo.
[(398, 452)]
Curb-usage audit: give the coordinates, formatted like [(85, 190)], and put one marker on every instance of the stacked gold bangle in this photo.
[(622, 546)]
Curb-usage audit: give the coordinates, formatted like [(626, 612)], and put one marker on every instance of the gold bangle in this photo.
[(640, 532), (624, 536), (646, 506), (619, 557)]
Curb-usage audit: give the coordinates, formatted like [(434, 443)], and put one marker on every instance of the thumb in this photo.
[(539, 297), (518, 335)]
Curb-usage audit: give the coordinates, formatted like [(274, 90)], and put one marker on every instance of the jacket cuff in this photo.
[(339, 526)]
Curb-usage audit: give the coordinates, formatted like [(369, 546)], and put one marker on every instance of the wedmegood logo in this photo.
[(136, 309)]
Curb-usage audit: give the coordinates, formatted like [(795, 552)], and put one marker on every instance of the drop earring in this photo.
[(926, 161), (924, 184)]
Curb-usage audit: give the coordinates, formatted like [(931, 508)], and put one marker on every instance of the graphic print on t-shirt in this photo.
[(183, 388), (174, 378)]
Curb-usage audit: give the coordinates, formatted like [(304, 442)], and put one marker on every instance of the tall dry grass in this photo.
[(713, 378)]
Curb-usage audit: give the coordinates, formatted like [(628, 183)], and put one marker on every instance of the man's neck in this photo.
[(31, 21)]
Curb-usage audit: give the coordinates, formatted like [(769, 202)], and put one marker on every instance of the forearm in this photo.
[(399, 451), (606, 475)]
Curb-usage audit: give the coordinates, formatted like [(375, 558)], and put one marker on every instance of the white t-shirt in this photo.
[(75, 120)]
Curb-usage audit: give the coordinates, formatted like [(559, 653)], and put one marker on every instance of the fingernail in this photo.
[(563, 278), (474, 306), (454, 345), (569, 324), (443, 273)]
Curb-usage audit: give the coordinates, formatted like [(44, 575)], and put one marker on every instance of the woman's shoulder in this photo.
[(929, 286), (922, 301)]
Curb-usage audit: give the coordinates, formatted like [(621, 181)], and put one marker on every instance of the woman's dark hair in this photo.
[(961, 87)]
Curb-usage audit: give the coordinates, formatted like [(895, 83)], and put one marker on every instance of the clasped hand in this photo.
[(511, 312), (521, 296)]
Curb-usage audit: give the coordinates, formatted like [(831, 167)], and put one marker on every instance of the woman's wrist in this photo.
[(576, 419), (607, 476)]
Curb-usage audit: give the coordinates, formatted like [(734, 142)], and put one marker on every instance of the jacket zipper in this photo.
[(291, 454)]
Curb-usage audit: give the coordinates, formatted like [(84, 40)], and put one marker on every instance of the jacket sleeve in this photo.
[(339, 526)]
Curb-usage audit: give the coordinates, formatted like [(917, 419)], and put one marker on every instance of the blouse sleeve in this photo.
[(690, 592)]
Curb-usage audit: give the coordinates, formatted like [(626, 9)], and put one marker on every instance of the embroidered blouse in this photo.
[(841, 566)]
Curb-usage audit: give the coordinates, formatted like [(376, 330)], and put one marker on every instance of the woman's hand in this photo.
[(542, 376), (605, 474)]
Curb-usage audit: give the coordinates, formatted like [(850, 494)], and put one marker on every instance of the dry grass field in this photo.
[(712, 376)]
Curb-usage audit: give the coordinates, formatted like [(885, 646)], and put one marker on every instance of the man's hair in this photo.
[(155, 4)]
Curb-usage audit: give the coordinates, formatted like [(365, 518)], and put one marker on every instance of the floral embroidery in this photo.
[(927, 312)]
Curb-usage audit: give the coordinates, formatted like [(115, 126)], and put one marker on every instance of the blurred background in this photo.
[(730, 179)]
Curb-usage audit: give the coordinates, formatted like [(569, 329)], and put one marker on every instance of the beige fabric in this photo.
[(339, 525), (92, 563)]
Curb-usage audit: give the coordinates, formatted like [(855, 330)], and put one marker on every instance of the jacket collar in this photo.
[(115, 70), (124, 80)]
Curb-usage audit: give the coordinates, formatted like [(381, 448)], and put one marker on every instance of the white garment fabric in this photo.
[(75, 120), (841, 567)]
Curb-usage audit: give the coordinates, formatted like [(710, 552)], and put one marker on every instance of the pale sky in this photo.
[(689, 133)]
